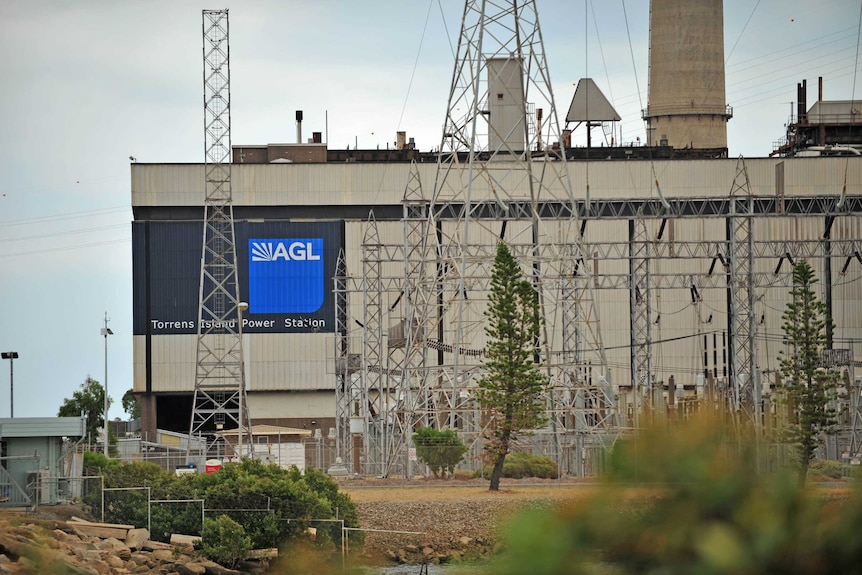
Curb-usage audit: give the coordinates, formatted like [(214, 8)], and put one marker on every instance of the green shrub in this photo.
[(824, 468), (224, 541), (441, 451), (273, 505), (128, 505), (520, 464), (95, 462)]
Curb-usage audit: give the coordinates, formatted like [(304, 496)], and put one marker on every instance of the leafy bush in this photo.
[(128, 506), (441, 451), (824, 468), (169, 517), (339, 504), (519, 465), (273, 505), (224, 541), (94, 462), (702, 508)]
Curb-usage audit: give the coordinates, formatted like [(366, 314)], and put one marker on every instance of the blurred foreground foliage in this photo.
[(687, 499)]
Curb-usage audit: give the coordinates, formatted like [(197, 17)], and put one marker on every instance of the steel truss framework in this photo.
[(634, 208), (746, 396), (420, 351), (424, 370), (429, 401), (219, 411)]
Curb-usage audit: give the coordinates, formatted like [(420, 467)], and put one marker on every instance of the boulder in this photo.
[(191, 568), (185, 540), (136, 538), (213, 568)]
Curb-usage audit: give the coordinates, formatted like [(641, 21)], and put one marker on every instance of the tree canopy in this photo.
[(511, 388), (89, 401), (131, 405), (441, 451)]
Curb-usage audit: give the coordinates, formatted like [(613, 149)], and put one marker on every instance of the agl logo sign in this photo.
[(302, 250), (285, 275)]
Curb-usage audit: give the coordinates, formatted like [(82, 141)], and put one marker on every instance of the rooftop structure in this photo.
[(828, 128)]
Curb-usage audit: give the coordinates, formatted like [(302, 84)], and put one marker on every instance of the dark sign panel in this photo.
[(285, 273)]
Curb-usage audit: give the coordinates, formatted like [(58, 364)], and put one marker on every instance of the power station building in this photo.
[(312, 212), (663, 284)]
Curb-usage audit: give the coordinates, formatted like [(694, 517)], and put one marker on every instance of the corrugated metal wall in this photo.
[(684, 331), (384, 184)]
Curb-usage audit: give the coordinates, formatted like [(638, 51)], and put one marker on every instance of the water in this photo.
[(452, 569), (412, 570)]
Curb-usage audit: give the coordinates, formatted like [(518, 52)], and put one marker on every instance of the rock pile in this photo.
[(66, 547)]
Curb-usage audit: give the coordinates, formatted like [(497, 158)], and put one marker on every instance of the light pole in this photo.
[(106, 331), (11, 356), (241, 307)]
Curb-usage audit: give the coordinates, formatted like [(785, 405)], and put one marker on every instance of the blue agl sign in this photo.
[(285, 275)]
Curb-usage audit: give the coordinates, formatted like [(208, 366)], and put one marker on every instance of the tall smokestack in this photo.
[(299, 126), (686, 74), (802, 102)]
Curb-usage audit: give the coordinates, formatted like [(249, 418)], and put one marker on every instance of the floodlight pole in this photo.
[(106, 331), (11, 356), (241, 307)]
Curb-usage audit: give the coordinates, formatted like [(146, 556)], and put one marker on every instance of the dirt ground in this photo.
[(397, 489), (445, 518)]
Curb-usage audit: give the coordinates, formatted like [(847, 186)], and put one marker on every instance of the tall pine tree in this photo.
[(510, 390), (808, 388)]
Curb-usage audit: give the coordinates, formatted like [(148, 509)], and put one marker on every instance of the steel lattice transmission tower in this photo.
[(640, 305), (219, 410), (501, 176), (746, 396)]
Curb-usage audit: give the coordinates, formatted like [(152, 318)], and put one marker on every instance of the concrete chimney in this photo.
[(686, 74)]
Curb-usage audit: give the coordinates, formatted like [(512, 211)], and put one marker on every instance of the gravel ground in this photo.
[(467, 527), (446, 520)]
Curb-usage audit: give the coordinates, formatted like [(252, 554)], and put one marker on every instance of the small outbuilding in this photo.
[(38, 460)]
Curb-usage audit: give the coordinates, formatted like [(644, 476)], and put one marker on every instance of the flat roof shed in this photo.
[(31, 464)]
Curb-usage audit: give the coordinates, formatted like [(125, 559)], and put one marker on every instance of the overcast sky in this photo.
[(87, 83)]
